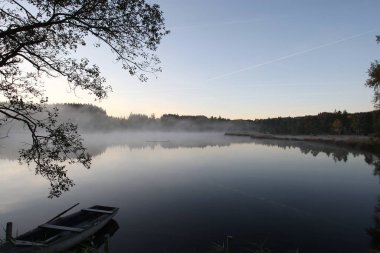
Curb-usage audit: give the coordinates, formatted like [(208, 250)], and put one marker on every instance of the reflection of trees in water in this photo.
[(374, 231), (139, 141), (336, 152), (98, 143), (374, 160)]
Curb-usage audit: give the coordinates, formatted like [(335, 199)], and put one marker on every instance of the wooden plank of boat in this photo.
[(72, 229), (60, 214), (28, 243), (97, 210)]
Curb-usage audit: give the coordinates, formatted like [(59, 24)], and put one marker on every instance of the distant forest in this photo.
[(338, 123), (93, 118)]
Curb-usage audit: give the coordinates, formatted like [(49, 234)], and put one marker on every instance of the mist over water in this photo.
[(182, 192)]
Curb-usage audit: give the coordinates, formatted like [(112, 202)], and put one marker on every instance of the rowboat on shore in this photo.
[(61, 233)]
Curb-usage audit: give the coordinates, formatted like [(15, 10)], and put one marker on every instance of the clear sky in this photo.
[(249, 59)]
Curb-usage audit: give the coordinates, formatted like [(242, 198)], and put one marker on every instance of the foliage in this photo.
[(338, 122), (92, 118), (39, 38), (374, 79)]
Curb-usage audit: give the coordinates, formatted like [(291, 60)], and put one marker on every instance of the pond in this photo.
[(187, 192)]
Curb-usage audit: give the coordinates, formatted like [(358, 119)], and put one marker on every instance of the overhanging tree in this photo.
[(373, 80), (42, 36)]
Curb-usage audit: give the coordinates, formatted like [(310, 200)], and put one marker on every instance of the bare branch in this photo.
[(26, 11)]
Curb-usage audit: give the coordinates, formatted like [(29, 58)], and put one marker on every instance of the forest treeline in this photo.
[(362, 123), (93, 118)]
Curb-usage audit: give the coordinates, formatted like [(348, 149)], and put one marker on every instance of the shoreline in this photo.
[(366, 143)]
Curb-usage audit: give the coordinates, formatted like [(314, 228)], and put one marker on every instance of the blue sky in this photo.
[(249, 59)]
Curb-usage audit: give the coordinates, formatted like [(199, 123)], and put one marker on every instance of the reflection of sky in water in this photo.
[(177, 197)]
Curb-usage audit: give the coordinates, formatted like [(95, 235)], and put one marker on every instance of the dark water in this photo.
[(184, 193)]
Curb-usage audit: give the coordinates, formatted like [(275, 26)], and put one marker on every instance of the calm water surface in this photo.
[(184, 193)]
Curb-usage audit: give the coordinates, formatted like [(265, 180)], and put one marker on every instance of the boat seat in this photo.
[(97, 210), (72, 229), (28, 243)]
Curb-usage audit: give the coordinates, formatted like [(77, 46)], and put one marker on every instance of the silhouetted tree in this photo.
[(39, 37), (373, 80)]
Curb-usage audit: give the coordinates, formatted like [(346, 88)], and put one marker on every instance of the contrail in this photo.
[(292, 55)]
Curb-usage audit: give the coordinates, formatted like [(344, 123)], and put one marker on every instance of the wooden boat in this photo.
[(101, 238), (61, 233)]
